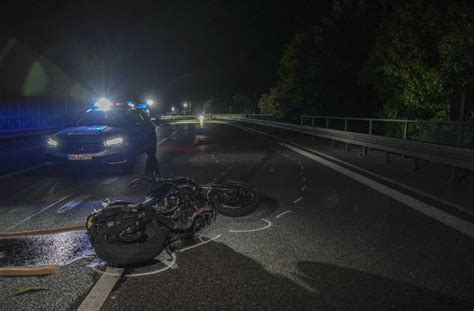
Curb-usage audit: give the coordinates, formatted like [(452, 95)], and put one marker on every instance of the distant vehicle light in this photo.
[(150, 102), (201, 117), (52, 143), (114, 142), (103, 104), (142, 106)]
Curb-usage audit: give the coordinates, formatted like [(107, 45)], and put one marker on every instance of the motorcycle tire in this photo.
[(129, 253), (233, 211)]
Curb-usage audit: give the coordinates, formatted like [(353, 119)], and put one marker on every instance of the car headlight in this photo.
[(52, 143), (114, 142)]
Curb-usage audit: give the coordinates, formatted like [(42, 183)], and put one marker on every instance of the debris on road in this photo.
[(28, 290), (42, 231), (28, 270)]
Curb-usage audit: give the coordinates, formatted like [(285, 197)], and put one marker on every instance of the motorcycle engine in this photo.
[(181, 205)]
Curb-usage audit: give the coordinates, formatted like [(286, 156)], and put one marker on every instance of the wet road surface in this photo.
[(318, 241)]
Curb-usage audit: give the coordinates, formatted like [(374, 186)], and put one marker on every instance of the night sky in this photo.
[(169, 50)]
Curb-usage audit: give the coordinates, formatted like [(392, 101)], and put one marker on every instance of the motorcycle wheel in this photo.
[(111, 246), (240, 200)]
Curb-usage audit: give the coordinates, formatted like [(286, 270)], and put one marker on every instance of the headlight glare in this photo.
[(114, 142), (52, 143)]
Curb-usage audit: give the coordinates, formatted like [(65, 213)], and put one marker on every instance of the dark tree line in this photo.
[(397, 59)]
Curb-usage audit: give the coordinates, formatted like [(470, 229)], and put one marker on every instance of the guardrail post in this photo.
[(312, 121), (405, 132), (365, 150), (387, 157), (415, 165), (327, 123), (345, 129), (301, 120)]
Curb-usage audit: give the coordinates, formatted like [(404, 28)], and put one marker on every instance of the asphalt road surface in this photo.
[(319, 240)]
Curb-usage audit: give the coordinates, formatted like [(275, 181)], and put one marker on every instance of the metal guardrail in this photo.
[(448, 155), (451, 133), (26, 125), (211, 116)]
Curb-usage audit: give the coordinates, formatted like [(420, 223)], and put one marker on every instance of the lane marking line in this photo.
[(394, 182), (268, 225), (278, 216), (179, 127), (297, 200), (20, 172), (200, 244), (101, 290), (424, 208), (73, 203), (39, 212), (303, 188)]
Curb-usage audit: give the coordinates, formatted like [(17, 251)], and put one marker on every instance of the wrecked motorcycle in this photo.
[(175, 208)]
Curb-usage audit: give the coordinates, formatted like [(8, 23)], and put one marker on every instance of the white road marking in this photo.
[(168, 265), (73, 203), (424, 208), (269, 223), (398, 184), (278, 216), (297, 200), (199, 244), (28, 169), (303, 188), (110, 181), (169, 136), (39, 212), (101, 290)]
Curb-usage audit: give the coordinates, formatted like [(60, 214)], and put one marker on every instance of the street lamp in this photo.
[(172, 109)]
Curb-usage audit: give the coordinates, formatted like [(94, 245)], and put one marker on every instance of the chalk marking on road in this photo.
[(174, 133), (168, 265), (278, 216), (200, 244), (398, 184), (268, 225), (297, 200), (109, 181), (25, 170), (424, 208), (39, 212), (101, 290), (73, 203), (303, 188)]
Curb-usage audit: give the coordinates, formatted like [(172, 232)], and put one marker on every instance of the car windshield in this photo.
[(107, 118)]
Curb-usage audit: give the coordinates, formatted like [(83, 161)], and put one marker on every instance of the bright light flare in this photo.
[(201, 119), (150, 102), (114, 142), (52, 143), (104, 104), (172, 109)]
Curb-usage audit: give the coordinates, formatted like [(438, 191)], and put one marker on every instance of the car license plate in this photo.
[(79, 157)]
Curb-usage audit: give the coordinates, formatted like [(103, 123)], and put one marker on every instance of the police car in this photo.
[(108, 133)]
